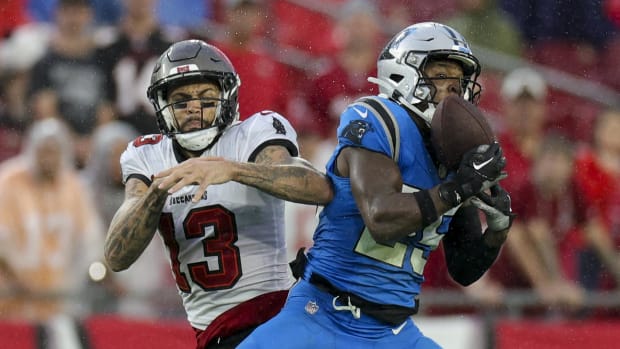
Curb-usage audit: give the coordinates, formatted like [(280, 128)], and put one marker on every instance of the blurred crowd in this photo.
[(73, 79)]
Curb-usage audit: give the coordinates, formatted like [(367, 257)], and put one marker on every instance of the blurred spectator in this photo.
[(49, 232), (579, 20), (265, 83), (608, 64), (144, 288), (568, 36), (24, 47), (70, 70), (106, 12), (13, 14), (102, 171), (180, 13), (487, 25), (399, 14), (13, 116), (358, 39), (579, 58), (611, 9), (541, 248), (598, 184), (187, 14), (524, 94), (128, 56), (18, 53), (305, 26)]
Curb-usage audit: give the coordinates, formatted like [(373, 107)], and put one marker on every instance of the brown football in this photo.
[(458, 126)]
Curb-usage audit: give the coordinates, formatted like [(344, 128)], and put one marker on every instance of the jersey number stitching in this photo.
[(219, 245), (395, 255)]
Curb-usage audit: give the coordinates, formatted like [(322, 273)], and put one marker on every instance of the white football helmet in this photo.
[(401, 65), (192, 61)]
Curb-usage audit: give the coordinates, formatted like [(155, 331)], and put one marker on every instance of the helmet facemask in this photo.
[(198, 139)]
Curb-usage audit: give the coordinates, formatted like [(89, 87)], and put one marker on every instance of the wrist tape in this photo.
[(427, 207)]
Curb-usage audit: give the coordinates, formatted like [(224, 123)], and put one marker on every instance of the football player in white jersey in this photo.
[(214, 189)]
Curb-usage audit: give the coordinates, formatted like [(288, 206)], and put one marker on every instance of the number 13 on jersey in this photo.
[(219, 246)]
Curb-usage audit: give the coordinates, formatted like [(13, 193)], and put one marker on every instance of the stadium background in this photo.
[(575, 52)]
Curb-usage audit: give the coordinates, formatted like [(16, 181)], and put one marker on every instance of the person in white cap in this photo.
[(540, 167), (524, 94)]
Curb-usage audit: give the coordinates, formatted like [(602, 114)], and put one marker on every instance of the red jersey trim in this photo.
[(247, 314)]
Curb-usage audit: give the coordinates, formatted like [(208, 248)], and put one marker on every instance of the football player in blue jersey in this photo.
[(393, 204)]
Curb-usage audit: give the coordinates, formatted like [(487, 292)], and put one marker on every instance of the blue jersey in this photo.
[(344, 251)]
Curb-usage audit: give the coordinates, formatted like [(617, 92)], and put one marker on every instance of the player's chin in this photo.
[(188, 129)]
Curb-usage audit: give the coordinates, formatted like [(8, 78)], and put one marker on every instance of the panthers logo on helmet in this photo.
[(356, 130)]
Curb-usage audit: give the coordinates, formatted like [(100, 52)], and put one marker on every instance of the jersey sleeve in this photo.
[(360, 127), (133, 164), (269, 128)]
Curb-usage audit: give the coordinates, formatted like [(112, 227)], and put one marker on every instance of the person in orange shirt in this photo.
[(49, 231)]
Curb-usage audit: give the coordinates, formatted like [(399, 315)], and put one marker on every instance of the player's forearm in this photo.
[(132, 228), (468, 254), (292, 182), (394, 216)]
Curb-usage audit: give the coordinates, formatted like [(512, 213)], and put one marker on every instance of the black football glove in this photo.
[(479, 169), (496, 207)]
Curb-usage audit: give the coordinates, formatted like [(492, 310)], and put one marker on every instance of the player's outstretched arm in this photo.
[(290, 178), (134, 224), (274, 171)]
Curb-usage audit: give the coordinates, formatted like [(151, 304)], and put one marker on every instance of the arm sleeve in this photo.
[(467, 255), (133, 165)]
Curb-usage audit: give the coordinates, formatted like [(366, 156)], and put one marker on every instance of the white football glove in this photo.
[(496, 207)]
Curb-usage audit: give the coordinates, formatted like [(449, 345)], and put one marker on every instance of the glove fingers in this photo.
[(487, 199), (478, 203)]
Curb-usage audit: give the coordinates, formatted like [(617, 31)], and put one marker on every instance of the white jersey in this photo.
[(229, 247)]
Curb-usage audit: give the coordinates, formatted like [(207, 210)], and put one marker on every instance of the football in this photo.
[(456, 127)]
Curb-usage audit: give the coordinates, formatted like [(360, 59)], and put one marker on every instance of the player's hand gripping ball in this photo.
[(457, 127)]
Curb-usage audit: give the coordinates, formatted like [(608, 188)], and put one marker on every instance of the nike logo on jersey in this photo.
[(481, 165), (397, 330), (364, 114)]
